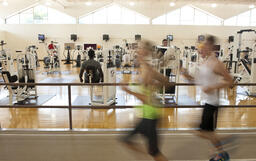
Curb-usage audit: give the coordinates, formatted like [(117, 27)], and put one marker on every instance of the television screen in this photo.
[(93, 46), (73, 37), (105, 37), (216, 47), (201, 38), (138, 37), (41, 37), (170, 37), (231, 39)]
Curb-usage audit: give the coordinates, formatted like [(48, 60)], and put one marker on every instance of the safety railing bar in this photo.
[(122, 107), (105, 84), (31, 106), (167, 106)]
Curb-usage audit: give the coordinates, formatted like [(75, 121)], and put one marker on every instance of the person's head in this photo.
[(206, 48), (145, 48), (164, 42), (91, 54)]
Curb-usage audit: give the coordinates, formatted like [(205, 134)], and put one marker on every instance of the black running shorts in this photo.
[(209, 118)]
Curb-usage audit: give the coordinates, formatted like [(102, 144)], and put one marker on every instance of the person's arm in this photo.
[(81, 73), (227, 78), (101, 73), (141, 97), (185, 73), (162, 80)]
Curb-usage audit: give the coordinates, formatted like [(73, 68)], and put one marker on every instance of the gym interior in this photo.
[(57, 105)]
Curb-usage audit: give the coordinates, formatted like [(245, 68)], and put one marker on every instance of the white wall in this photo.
[(20, 36)]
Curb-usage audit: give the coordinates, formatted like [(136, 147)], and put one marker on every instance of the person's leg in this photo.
[(208, 125), (127, 140), (152, 138)]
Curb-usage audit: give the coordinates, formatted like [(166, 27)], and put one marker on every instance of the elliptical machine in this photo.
[(52, 61)]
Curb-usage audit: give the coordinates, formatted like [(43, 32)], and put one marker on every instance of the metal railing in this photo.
[(70, 106)]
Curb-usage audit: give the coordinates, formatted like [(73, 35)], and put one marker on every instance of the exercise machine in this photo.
[(108, 95), (26, 67), (33, 50), (246, 60), (52, 61)]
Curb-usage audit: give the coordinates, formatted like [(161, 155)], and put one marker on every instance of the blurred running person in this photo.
[(212, 76), (150, 81)]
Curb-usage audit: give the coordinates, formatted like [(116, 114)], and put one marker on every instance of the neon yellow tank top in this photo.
[(149, 110)]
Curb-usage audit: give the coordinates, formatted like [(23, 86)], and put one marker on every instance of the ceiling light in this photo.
[(251, 6), (88, 3), (172, 4), (131, 3), (5, 3), (48, 4), (214, 5)]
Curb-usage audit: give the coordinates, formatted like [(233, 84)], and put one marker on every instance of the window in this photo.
[(200, 18), (1, 21), (253, 17), (231, 21), (173, 17), (244, 19), (114, 14), (13, 20), (214, 21), (159, 20), (188, 15), (247, 18), (128, 16), (27, 17), (56, 17), (41, 15)]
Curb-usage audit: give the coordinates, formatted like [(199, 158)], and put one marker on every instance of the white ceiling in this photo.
[(150, 8)]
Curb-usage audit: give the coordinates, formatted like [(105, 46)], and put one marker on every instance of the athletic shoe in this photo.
[(221, 157)]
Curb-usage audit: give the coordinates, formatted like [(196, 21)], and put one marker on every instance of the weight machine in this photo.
[(26, 67), (247, 63)]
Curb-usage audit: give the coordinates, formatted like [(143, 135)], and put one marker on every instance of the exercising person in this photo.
[(150, 81), (212, 76), (161, 51), (93, 70)]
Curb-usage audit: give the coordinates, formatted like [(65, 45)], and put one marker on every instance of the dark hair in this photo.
[(210, 39), (91, 54), (164, 40)]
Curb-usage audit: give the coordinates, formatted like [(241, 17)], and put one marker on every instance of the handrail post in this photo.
[(70, 107)]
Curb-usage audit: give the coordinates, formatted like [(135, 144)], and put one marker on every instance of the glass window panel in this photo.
[(187, 15), (40, 15), (173, 18), (161, 20), (100, 16), (27, 17), (128, 16), (200, 18), (1, 21), (56, 17), (14, 19), (140, 19), (87, 19), (244, 19), (114, 14), (253, 17), (214, 21), (231, 21)]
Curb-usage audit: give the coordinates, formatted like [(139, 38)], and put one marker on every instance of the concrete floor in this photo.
[(105, 147)]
